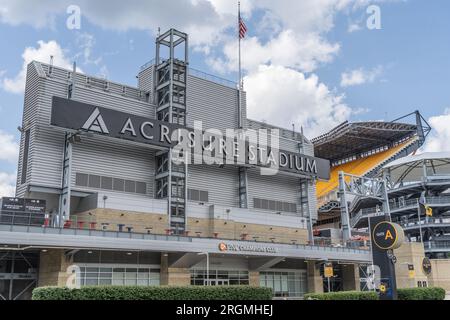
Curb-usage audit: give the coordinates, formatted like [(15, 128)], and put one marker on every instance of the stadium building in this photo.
[(99, 196), (418, 189), (383, 155), (361, 149)]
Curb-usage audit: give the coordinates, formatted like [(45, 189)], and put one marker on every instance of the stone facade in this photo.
[(440, 274), (409, 253), (113, 220), (314, 279), (173, 276), (350, 277), (253, 278), (53, 268)]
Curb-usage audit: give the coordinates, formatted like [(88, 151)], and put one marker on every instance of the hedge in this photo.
[(421, 294), (403, 294), (343, 295), (153, 293)]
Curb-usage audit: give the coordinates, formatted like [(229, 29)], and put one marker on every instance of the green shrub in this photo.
[(421, 294), (403, 294), (343, 295), (153, 293)]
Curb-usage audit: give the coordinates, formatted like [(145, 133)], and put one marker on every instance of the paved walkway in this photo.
[(447, 296)]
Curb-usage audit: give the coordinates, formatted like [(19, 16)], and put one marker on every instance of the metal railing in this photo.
[(411, 203), (199, 74), (423, 222), (88, 225), (401, 205), (437, 245)]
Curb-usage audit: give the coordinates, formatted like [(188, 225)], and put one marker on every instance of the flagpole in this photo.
[(240, 73), (239, 37)]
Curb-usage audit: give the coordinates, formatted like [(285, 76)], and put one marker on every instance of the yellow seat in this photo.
[(357, 167)]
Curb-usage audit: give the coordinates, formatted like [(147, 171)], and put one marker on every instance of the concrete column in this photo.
[(53, 266), (410, 253), (350, 277), (315, 280), (253, 278), (164, 273), (173, 276)]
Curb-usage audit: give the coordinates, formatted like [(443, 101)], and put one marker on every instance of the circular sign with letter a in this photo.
[(387, 235)]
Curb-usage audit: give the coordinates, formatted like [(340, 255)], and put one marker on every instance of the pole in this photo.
[(239, 37), (371, 257), (240, 72), (420, 224), (329, 285), (207, 269)]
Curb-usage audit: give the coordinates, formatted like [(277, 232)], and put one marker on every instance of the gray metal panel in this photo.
[(278, 187), (33, 91), (145, 81), (95, 155), (221, 183), (312, 200), (214, 104), (46, 143)]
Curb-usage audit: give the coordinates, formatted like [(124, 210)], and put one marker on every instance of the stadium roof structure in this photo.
[(411, 169), (351, 139)]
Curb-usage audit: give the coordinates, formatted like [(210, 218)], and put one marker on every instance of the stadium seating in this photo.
[(359, 167)]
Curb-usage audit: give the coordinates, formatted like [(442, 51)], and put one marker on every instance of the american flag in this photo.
[(242, 28)]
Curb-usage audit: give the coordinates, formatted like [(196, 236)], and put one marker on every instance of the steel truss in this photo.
[(170, 94), (374, 188)]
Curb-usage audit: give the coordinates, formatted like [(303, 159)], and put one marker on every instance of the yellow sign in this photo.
[(412, 274), (383, 288), (328, 271), (429, 211), (389, 235)]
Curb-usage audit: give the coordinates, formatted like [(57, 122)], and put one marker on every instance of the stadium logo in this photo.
[(222, 246), (96, 123)]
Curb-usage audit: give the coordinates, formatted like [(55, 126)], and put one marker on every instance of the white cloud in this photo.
[(7, 184), (439, 140), (298, 99), (9, 148), (360, 76), (41, 53), (353, 27), (286, 39), (86, 43), (16, 12), (288, 49)]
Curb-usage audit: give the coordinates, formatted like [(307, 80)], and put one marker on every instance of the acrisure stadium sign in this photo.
[(83, 117)]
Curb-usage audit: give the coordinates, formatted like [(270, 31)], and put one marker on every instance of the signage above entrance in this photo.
[(224, 247), (82, 117)]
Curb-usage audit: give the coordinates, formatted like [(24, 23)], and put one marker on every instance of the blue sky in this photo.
[(313, 63)]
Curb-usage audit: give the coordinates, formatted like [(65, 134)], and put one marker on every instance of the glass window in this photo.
[(219, 277)]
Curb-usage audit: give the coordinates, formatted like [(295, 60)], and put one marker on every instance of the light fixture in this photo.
[(44, 250), (129, 253), (89, 252)]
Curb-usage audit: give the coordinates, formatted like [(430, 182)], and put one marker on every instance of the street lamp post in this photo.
[(207, 266)]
